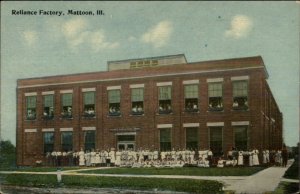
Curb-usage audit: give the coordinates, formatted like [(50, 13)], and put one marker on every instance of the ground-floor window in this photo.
[(89, 140), (216, 140), (191, 138), (165, 139), (67, 141), (241, 137), (48, 142)]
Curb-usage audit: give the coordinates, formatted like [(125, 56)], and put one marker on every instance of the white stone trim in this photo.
[(237, 123), (164, 84), (30, 130), (210, 80), (66, 129), (137, 86), (65, 91), (186, 82), (214, 124), (113, 88), (126, 133), (47, 92), (159, 126), (31, 94), (88, 128), (141, 77), (191, 124), (237, 78), (48, 130), (88, 89)]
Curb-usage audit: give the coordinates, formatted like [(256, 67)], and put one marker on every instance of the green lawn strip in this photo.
[(286, 187), (44, 169), (230, 171), (293, 171), (187, 185)]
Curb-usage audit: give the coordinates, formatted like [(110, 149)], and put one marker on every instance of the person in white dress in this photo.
[(81, 158), (255, 157), (268, 156), (264, 157), (87, 157), (93, 157), (220, 163), (112, 155), (240, 158), (97, 158), (250, 158), (118, 158)]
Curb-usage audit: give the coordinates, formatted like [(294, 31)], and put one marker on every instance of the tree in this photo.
[(7, 154)]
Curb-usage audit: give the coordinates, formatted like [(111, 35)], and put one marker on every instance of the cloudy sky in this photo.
[(39, 45)]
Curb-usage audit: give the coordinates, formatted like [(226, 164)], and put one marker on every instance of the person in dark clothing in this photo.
[(284, 154)]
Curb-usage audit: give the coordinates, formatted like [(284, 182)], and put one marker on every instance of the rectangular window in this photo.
[(241, 137), (114, 99), (137, 101), (191, 138), (67, 141), (89, 104), (89, 140), (191, 98), (216, 140), (48, 106), (165, 139), (48, 142), (215, 96), (240, 95), (31, 107), (67, 105), (164, 97)]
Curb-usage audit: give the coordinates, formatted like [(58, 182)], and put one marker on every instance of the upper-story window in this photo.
[(114, 99), (67, 105), (164, 97), (89, 104), (137, 101), (48, 106), (191, 97), (215, 96), (30, 107), (240, 95)]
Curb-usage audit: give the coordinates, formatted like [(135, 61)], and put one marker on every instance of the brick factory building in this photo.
[(155, 103)]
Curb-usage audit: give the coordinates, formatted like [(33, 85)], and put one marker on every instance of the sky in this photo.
[(45, 45)]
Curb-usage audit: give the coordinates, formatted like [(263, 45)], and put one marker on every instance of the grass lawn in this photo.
[(39, 169), (187, 185), (293, 171), (228, 171), (286, 187)]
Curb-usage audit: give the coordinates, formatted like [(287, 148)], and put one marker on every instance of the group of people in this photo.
[(174, 158)]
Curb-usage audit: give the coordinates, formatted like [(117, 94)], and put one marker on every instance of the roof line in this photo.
[(147, 76)]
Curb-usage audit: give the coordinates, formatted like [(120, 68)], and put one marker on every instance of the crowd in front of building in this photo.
[(174, 158)]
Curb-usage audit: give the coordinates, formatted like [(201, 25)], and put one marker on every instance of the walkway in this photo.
[(264, 181)]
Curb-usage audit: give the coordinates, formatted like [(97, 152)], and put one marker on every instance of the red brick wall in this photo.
[(148, 135)]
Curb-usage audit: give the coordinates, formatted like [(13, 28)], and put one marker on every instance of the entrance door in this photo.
[(126, 142)]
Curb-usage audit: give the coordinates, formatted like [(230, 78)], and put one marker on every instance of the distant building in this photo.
[(155, 103)]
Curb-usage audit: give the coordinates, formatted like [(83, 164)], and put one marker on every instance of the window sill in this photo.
[(66, 118), (30, 119), (240, 109), (45, 118), (114, 115), (88, 116), (216, 109), (165, 113), (191, 111)]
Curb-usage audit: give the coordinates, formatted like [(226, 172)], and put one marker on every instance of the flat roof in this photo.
[(176, 69)]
